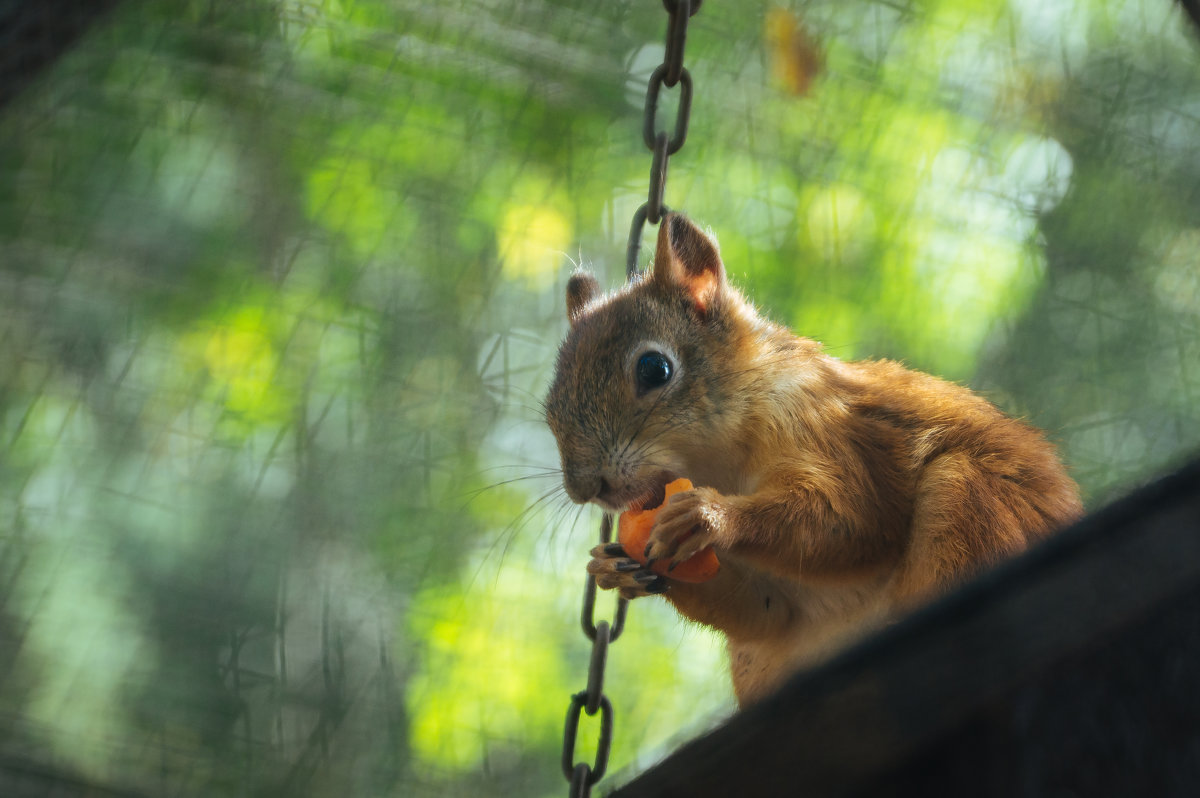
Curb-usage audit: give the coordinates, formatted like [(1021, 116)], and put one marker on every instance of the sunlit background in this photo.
[(280, 291)]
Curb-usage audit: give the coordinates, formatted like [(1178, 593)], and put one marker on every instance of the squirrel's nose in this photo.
[(582, 488)]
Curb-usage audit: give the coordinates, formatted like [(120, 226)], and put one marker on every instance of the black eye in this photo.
[(653, 371)]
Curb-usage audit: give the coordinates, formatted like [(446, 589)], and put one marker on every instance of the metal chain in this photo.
[(670, 73), (581, 775)]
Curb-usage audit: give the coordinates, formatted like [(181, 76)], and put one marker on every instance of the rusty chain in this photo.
[(582, 775)]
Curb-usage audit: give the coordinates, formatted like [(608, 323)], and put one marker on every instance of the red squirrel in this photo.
[(837, 495)]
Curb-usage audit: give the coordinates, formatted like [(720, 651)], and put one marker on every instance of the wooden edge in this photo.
[(831, 730)]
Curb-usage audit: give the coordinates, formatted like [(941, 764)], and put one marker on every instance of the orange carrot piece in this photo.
[(633, 532)]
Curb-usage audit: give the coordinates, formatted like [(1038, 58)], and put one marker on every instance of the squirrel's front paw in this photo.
[(690, 522), (614, 569)]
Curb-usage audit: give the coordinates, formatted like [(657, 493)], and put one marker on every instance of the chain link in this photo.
[(658, 78), (588, 616), (581, 775), (574, 713)]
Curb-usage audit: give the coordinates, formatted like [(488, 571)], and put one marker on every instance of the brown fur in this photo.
[(837, 495)]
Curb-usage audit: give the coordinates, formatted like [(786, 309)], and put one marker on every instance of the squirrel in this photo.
[(837, 495)]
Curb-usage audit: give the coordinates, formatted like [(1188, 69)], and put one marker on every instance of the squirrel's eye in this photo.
[(653, 371)]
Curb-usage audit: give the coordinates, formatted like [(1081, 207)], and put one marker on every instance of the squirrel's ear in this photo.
[(582, 288), (687, 259)]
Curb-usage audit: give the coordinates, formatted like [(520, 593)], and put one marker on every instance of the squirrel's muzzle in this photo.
[(582, 488)]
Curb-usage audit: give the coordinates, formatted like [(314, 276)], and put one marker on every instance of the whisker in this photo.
[(516, 465), (542, 473), (557, 520), (642, 423), (472, 495), (563, 505), (508, 534)]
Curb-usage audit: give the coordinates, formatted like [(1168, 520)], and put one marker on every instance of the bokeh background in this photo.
[(280, 291)]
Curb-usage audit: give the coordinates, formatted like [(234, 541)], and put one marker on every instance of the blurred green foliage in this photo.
[(281, 293)]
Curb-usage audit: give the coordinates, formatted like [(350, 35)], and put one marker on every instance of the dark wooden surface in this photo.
[(1074, 670)]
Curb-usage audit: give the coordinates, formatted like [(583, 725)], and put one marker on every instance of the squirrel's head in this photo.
[(638, 389)]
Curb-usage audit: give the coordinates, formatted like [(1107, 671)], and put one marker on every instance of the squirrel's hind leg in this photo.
[(964, 519)]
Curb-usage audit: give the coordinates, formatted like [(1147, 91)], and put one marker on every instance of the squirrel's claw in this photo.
[(659, 585), (614, 570), (654, 588)]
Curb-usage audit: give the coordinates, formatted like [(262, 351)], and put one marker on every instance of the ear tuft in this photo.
[(582, 288), (687, 260)]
